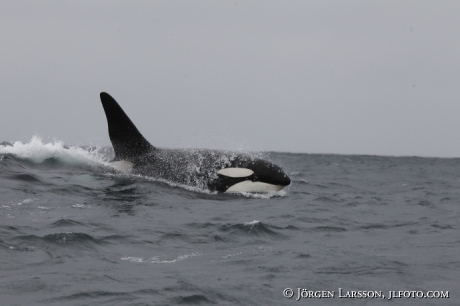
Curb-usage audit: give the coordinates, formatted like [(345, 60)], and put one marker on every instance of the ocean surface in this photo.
[(75, 232)]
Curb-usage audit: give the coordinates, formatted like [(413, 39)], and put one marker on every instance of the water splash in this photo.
[(37, 151), (268, 195)]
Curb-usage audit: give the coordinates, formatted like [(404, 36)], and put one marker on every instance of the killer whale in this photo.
[(214, 170)]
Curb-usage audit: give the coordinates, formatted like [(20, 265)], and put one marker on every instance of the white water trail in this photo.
[(38, 151)]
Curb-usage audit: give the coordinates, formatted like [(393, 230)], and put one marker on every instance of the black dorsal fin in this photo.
[(128, 143)]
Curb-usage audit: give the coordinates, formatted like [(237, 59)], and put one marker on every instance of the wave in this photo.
[(66, 222), (79, 240), (70, 238), (39, 152), (253, 228)]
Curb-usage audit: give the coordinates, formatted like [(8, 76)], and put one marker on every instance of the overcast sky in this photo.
[(346, 77)]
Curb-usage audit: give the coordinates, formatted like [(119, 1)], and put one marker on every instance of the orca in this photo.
[(214, 170)]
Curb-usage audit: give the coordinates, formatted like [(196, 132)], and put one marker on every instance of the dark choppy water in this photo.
[(73, 232)]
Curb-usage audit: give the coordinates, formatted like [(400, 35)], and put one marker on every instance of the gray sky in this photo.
[(347, 77)]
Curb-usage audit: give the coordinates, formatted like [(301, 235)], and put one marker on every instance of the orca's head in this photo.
[(251, 176)]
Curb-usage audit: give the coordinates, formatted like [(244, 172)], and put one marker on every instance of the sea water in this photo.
[(349, 230)]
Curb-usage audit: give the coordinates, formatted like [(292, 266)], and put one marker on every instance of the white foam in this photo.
[(267, 195), (231, 255), (133, 259), (254, 222), (156, 259), (125, 167), (25, 201), (38, 151), (264, 249), (78, 206)]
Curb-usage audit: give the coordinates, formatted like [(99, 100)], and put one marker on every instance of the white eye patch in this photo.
[(235, 172)]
